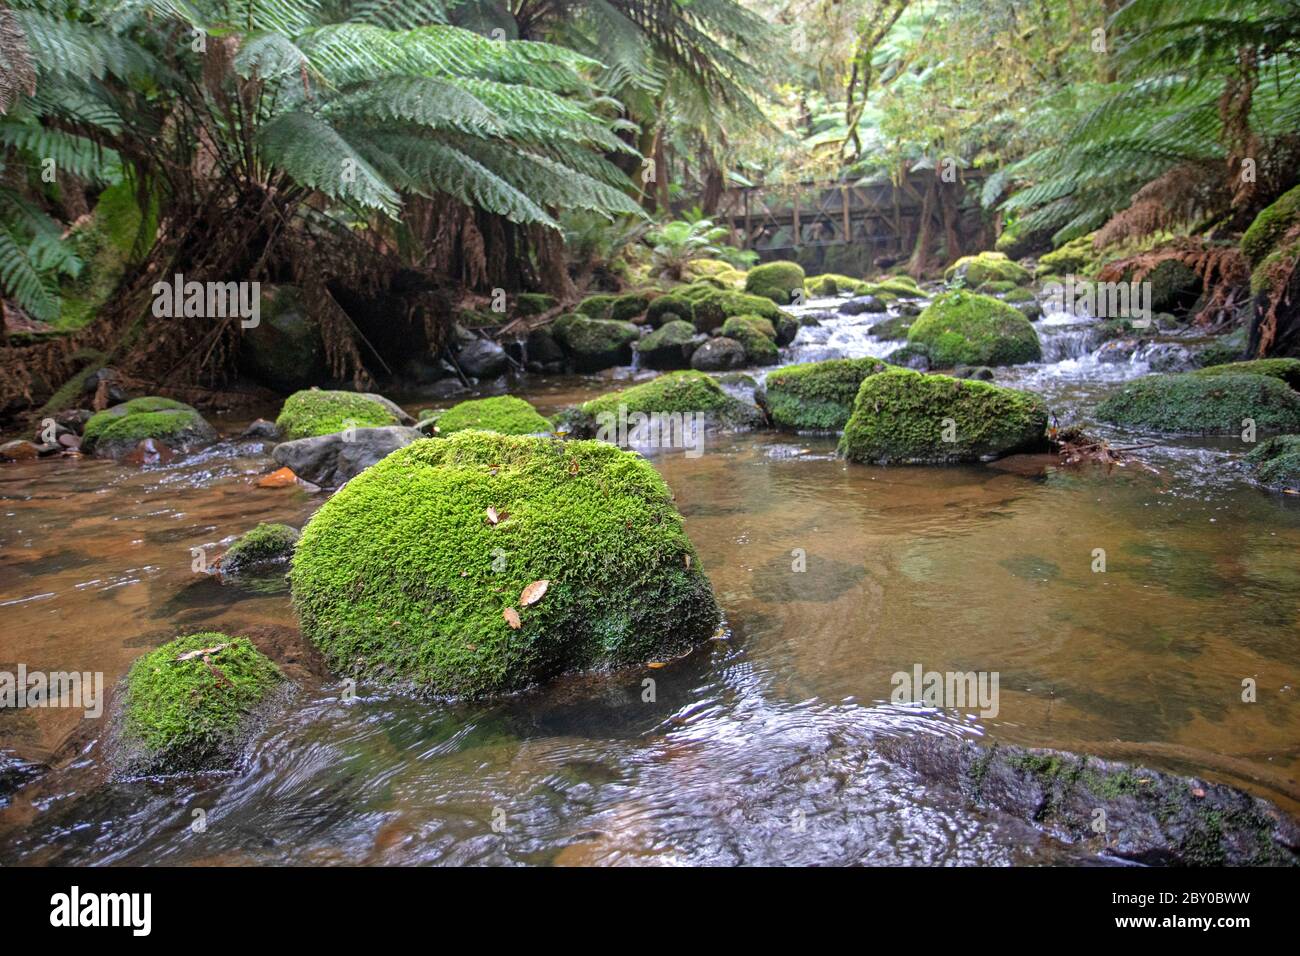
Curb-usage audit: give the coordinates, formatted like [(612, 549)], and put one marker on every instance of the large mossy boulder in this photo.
[(264, 548), (595, 344), (684, 392), (503, 414), (906, 417), (1277, 463), (314, 412), (1203, 404), (669, 346), (192, 705), (778, 281), (1272, 223), (285, 350), (116, 431), (986, 267), (964, 328), (1286, 369), (404, 575), (816, 396)]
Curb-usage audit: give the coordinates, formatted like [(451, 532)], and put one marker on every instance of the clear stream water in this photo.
[(760, 748)]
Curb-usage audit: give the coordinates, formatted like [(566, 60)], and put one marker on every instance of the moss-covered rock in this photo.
[(183, 711), (503, 414), (263, 548), (628, 306), (1286, 369), (964, 328), (895, 328), (668, 347), (596, 306), (595, 344), (816, 396), (1224, 350), (673, 307), (715, 307), (775, 280), (756, 336), (1277, 463), (314, 412), (901, 416), (1270, 226), (116, 431), (534, 303), (1075, 257), (402, 577), (892, 288), (1203, 404), (831, 284), (986, 267), (684, 392)]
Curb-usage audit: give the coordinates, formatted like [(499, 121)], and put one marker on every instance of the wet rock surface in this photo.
[(330, 460)]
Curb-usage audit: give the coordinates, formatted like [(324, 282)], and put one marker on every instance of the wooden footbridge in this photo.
[(883, 215)]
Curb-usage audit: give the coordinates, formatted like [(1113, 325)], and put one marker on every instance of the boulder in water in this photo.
[(1203, 404), (330, 460), (668, 347), (685, 392), (595, 344), (816, 396), (964, 328), (315, 412), (265, 547), (482, 358), (986, 267), (778, 281), (541, 557), (718, 355), (503, 414), (115, 432), (756, 335), (905, 417)]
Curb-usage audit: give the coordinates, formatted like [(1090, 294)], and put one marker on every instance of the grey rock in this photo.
[(482, 358), (718, 355), (261, 428), (861, 304), (331, 460)]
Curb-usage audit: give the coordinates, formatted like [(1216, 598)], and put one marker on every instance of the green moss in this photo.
[(685, 391), (1277, 462), (534, 303), (313, 412), (595, 344), (817, 396), (904, 416), (831, 284), (401, 577), (67, 394), (141, 418), (986, 267), (1076, 257), (775, 280), (895, 328), (670, 308), (181, 715), (1270, 226), (504, 414), (596, 306), (1203, 404), (891, 289), (263, 546), (626, 307), (105, 243), (666, 346), (714, 308), (756, 335), (1286, 369), (964, 328)]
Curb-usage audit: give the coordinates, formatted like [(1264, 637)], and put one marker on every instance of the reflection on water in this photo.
[(756, 749)]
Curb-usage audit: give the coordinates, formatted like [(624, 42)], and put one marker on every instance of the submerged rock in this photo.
[(19, 450), (264, 548), (191, 705), (817, 396), (963, 328), (314, 412), (115, 432), (1203, 404), (1145, 815), (1277, 463), (503, 414), (905, 417), (540, 557), (331, 460)]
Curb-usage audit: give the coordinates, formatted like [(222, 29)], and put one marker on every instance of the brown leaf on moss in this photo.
[(533, 593), (512, 618)]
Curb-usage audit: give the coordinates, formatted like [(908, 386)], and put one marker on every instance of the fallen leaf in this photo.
[(202, 652), (533, 593), (573, 467), (656, 664), (492, 516), (688, 562), (1198, 792), (512, 618), (280, 478)]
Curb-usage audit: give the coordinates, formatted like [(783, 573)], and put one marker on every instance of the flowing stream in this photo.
[(760, 748)]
